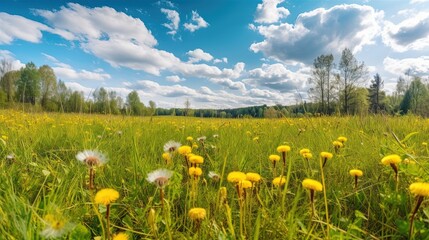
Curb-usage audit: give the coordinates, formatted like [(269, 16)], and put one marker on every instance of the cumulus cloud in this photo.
[(174, 18), (164, 90), (66, 72), (268, 12), (197, 22), (228, 83), (410, 34), (417, 66), (198, 55), (17, 27), (78, 22), (278, 77), (15, 64), (174, 79), (319, 32), (217, 60)]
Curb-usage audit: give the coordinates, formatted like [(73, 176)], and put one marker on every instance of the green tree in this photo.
[(351, 76), (320, 80), (101, 101), (8, 82), (28, 85), (134, 105), (376, 95), (48, 82), (62, 95), (415, 98)]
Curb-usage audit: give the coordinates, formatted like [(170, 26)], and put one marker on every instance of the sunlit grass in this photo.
[(41, 177)]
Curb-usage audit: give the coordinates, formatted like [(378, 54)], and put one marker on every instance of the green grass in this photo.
[(45, 177)]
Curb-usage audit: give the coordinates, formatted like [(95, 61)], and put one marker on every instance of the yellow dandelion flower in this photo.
[(283, 148), (106, 196), (244, 184), (196, 159), (356, 172), (4, 137), (307, 155), (166, 156), (312, 184), (326, 155), (195, 146), (420, 189), (279, 181), (121, 236), (195, 171), (184, 150), (391, 159), (342, 139), (236, 177), (425, 144), (274, 158), (304, 150), (253, 177), (190, 139), (197, 214), (337, 144)]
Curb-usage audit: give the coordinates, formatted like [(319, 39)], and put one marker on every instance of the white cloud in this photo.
[(197, 22), (198, 55), (174, 18), (17, 27), (410, 34), (164, 90), (418, 1), (64, 71), (320, 31), (174, 79), (278, 77), (217, 60), (268, 12), (419, 66), (228, 83), (8, 56), (77, 22)]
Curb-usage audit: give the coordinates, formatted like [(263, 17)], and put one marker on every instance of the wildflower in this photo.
[(244, 184), (159, 177), (283, 148), (420, 190), (121, 236), (106, 196), (337, 145), (312, 185), (274, 158), (304, 150), (201, 139), (279, 181), (4, 137), (196, 159), (307, 155), (195, 171), (325, 156), (342, 139), (166, 156), (197, 214), (214, 176), (392, 160), (171, 146), (91, 157), (356, 173), (55, 226), (189, 139), (195, 146), (184, 150), (253, 177), (425, 144), (216, 136), (236, 177)]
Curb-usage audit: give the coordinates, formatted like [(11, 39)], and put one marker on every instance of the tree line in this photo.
[(334, 89)]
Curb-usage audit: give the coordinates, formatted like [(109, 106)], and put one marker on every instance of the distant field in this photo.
[(44, 190)]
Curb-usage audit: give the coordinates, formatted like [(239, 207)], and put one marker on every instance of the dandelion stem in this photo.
[(161, 194), (91, 178), (324, 195), (416, 208), (356, 181), (108, 221)]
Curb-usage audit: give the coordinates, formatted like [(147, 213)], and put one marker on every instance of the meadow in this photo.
[(45, 190)]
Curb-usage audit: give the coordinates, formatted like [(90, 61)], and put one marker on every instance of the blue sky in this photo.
[(217, 54)]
